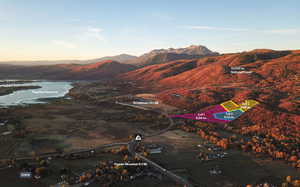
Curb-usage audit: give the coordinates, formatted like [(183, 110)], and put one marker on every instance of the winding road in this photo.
[(132, 145)]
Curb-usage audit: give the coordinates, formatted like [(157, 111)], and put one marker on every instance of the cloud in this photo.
[(94, 32), (64, 44), (216, 28)]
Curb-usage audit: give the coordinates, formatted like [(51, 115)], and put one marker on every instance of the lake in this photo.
[(49, 89)]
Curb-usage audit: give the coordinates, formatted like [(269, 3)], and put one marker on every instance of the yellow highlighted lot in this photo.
[(247, 104), (230, 106)]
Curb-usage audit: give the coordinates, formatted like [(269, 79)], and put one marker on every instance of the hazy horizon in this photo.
[(98, 57)]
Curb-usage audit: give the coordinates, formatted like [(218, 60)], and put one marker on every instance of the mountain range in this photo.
[(153, 57), (102, 68), (265, 66), (159, 56)]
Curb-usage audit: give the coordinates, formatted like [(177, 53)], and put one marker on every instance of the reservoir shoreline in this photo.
[(19, 92), (9, 90)]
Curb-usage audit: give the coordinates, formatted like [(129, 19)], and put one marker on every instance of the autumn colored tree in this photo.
[(145, 153), (123, 148), (40, 171), (223, 143), (293, 159), (288, 179), (125, 158), (296, 183), (82, 178)]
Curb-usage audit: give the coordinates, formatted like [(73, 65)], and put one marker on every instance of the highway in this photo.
[(178, 179), (64, 154)]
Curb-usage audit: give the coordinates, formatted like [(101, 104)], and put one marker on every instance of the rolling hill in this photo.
[(261, 68), (119, 58), (122, 58), (270, 77), (107, 69)]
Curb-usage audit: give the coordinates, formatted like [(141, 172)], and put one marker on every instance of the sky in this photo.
[(86, 29)]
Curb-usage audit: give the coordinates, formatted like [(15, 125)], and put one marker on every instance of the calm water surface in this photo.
[(48, 89)]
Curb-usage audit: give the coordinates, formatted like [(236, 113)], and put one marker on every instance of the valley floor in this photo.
[(93, 118)]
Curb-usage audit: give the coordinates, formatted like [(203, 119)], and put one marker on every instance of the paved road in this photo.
[(172, 124), (178, 179), (56, 154), (132, 105)]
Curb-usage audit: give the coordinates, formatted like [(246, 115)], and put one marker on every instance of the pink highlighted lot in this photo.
[(206, 116)]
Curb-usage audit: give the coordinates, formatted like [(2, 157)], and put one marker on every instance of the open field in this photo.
[(74, 124)]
